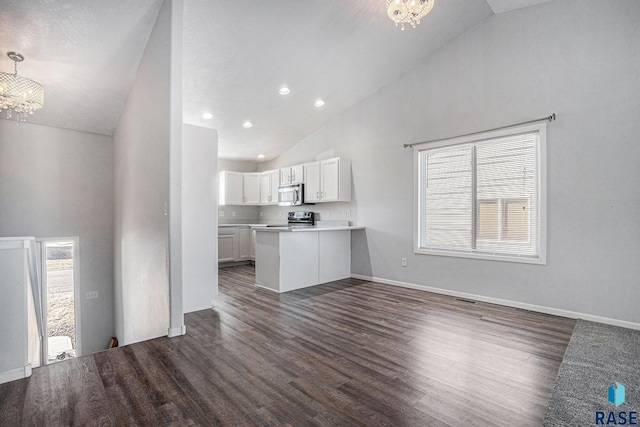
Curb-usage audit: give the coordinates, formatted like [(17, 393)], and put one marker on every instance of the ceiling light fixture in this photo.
[(247, 124), (319, 103), (18, 94), (261, 156), (284, 90), (408, 11), (207, 115)]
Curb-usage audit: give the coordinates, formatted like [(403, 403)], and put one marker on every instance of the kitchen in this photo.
[(275, 245)]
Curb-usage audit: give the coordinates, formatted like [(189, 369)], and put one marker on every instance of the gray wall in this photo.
[(141, 157), (59, 183), (578, 59)]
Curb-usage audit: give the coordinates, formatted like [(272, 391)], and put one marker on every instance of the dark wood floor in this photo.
[(346, 353)]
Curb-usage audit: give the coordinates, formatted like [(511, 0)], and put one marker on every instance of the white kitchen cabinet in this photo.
[(236, 244), (230, 187), (252, 245), (251, 188), (269, 183), (292, 175), (226, 246), (244, 244), (312, 182), (327, 181)]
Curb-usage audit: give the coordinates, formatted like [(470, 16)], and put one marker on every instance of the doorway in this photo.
[(60, 299)]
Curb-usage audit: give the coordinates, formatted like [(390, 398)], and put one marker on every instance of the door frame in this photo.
[(77, 294)]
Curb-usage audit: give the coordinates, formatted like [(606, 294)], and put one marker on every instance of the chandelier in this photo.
[(408, 11), (19, 95)]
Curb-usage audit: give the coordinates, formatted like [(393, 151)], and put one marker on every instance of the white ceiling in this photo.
[(84, 52), (237, 54)]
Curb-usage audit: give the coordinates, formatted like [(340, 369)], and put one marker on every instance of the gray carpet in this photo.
[(597, 356)]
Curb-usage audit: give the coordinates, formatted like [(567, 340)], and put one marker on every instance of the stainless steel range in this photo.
[(301, 219)]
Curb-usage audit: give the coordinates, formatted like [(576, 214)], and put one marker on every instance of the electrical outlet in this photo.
[(233, 213), (260, 214), (221, 214), (328, 213), (348, 212), (404, 262), (344, 212), (92, 295)]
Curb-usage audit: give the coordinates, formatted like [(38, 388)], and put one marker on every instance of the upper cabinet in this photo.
[(324, 181), (292, 175), (230, 188), (269, 183), (327, 181), (251, 188)]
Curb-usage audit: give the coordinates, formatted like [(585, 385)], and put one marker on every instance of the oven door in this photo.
[(290, 195)]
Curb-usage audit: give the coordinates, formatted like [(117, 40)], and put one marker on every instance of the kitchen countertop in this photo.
[(286, 229), (243, 225)]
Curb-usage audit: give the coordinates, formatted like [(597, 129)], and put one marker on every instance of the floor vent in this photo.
[(468, 301)]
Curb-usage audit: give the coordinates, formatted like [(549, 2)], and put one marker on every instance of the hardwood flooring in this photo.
[(349, 352)]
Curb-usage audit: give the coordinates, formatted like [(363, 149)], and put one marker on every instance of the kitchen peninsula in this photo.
[(289, 258)]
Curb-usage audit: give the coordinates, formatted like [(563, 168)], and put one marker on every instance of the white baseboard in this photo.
[(176, 332), (15, 374), (268, 289), (507, 303)]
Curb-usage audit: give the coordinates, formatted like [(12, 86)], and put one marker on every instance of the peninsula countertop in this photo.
[(297, 229)]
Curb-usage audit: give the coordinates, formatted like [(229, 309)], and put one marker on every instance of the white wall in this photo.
[(578, 59), (59, 183), (199, 224), (141, 156)]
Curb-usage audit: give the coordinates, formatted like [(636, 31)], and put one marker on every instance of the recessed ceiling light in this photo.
[(207, 115), (319, 103), (284, 90), (247, 124), (261, 156)]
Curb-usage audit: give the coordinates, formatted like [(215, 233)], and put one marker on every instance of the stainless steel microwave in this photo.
[(291, 195)]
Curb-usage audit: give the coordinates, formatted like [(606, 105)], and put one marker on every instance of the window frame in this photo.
[(418, 220)]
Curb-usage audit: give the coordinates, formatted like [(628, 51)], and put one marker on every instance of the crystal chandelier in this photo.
[(408, 11), (19, 95)]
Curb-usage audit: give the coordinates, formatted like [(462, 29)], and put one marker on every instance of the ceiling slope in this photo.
[(238, 54)]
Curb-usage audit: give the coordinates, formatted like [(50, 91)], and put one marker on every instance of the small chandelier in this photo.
[(408, 11), (19, 95)]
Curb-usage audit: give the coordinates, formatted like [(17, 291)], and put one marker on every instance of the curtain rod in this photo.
[(550, 118)]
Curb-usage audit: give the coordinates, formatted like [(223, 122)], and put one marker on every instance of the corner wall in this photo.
[(199, 218), (143, 142), (575, 58)]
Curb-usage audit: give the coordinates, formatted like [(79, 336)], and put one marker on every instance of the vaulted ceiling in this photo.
[(237, 55)]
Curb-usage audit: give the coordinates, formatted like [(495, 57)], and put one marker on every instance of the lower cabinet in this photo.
[(245, 241), (236, 244)]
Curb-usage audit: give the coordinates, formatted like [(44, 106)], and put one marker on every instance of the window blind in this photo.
[(481, 196)]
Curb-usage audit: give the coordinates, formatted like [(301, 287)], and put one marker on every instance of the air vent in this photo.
[(468, 301)]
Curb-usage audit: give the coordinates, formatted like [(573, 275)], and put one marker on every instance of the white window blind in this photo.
[(482, 198)]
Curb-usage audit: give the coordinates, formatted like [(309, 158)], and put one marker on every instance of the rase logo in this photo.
[(615, 393), (615, 396)]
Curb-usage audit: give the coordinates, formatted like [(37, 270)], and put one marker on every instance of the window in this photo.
[(483, 196)]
